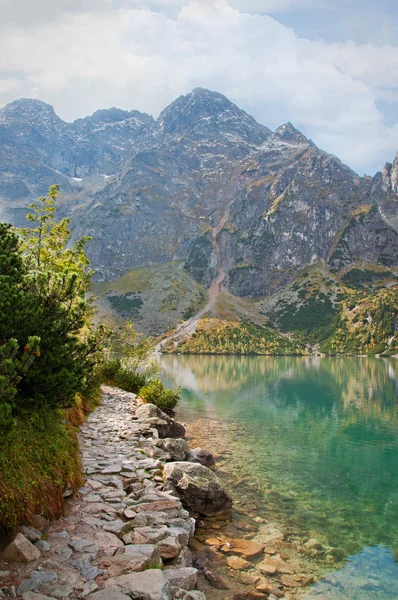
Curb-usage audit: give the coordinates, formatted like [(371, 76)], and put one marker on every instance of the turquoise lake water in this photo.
[(317, 439)]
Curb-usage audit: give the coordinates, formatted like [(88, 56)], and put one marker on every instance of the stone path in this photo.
[(122, 536)]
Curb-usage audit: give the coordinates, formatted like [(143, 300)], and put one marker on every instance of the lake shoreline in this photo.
[(224, 398), (277, 566)]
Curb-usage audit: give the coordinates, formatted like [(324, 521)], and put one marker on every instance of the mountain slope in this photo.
[(236, 208), (38, 149)]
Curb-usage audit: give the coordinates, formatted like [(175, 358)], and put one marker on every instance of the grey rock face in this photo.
[(38, 149), (290, 202)]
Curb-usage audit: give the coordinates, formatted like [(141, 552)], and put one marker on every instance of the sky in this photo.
[(328, 66)]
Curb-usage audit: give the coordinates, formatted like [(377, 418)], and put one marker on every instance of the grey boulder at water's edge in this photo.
[(199, 489), (166, 426)]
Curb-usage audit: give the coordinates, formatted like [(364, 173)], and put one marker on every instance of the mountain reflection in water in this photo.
[(320, 432)]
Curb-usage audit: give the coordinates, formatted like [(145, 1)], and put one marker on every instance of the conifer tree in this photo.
[(16, 304), (58, 277)]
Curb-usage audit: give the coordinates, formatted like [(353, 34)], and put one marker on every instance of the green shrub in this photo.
[(155, 393), (49, 357), (130, 365), (130, 381), (109, 370), (12, 369), (43, 286)]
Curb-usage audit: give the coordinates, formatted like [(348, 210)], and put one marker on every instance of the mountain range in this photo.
[(206, 217)]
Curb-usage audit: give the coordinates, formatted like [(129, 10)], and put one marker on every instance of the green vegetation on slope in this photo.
[(38, 457), (214, 336), (364, 278), (130, 366), (313, 321), (367, 324), (317, 312), (48, 363), (156, 298)]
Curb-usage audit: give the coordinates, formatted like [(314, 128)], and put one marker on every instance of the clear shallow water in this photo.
[(317, 438)]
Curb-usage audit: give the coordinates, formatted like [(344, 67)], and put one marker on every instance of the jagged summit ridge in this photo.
[(112, 117), (26, 108), (207, 112), (289, 133), (38, 148)]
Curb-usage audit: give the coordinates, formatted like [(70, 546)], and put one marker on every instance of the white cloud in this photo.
[(134, 57), (374, 65), (29, 13), (9, 86), (273, 6)]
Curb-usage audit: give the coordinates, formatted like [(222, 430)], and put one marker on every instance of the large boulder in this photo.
[(198, 488), (177, 449), (154, 418), (183, 577), (151, 584), (136, 558)]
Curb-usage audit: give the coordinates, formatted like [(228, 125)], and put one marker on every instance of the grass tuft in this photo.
[(39, 457)]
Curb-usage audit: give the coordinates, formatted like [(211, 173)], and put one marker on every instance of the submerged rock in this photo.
[(239, 564), (247, 549), (203, 457), (199, 488)]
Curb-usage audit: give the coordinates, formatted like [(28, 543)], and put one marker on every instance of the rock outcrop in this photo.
[(149, 415), (199, 488)]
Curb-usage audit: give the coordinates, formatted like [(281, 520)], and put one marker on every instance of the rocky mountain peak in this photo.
[(209, 113), (289, 133), (199, 104), (112, 115), (29, 111), (390, 175)]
